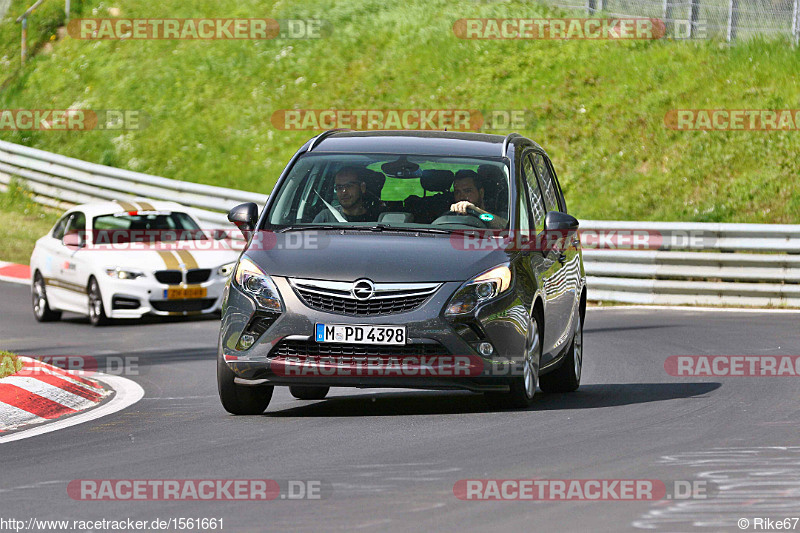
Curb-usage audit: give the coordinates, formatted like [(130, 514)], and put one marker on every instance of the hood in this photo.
[(150, 259), (381, 257)]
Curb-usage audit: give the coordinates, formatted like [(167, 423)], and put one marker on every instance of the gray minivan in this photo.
[(430, 260)]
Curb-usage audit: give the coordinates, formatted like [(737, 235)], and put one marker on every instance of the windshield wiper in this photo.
[(384, 227), (301, 227)]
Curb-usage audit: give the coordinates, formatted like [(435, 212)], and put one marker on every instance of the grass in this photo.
[(599, 107), (22, 222), (9, 364)]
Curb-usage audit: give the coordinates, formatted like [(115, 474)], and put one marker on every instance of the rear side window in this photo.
[(537, 205), (546, 182)]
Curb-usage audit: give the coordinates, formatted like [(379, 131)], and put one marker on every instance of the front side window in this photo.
[(77, 222), (546, 183), (537, 203), (395, 190), (61, 225)]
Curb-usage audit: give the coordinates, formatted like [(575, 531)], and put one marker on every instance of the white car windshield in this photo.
[(146, 227)]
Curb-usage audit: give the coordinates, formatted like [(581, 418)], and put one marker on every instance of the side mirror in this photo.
[(72, 240), (558, 227), (557, 221), (244, 217)]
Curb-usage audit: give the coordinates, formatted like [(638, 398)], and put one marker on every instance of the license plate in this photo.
[(356, 334), (185, 293)]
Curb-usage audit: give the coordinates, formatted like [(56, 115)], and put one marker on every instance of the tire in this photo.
[(97, 313), (308, 392), (567, 377), (522, 388), (240, 399), (40, 303)]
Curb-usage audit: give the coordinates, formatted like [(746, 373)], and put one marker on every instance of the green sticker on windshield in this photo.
[(486, 217)]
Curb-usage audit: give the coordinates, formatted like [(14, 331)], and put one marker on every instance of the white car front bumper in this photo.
[(134, 298)]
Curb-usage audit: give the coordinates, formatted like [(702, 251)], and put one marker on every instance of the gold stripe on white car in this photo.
[(127, 206), (170, 261), (187, 259)]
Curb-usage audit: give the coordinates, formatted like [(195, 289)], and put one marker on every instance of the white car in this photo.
[(126, 259)]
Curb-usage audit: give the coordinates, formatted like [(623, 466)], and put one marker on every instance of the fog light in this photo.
[(486, 348), (245, 342)]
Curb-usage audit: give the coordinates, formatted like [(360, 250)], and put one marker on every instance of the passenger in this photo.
[(468, 193), (350, 187)]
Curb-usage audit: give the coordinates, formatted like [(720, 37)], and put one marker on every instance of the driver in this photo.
[(468, 192), (349, 186)]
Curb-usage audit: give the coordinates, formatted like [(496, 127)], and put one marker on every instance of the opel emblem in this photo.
[(363, 289)]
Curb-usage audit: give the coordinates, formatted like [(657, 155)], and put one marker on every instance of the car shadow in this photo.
[(587, 329), (458, 402), (147, 320)]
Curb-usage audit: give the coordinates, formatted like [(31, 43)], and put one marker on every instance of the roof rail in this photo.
[(507, 140), (316, 140)]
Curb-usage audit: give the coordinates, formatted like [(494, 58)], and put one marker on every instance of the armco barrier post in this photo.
[(694, 17), (733, 19)]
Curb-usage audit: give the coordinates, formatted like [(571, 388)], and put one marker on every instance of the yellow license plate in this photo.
[(185, 293)]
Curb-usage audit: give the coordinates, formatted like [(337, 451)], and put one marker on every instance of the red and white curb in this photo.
[(15, 273), (42, 398)]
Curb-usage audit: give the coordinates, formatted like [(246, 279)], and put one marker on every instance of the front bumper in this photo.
[(145, 295), (502, 322)]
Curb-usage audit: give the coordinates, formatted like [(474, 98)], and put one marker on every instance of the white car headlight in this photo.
[(254, 282), (226, 270), (479, 289), (121, 273)]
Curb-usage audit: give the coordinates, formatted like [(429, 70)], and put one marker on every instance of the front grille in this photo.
[(175, 277), (310, 349), (178, 306), (198, 275), (169, 277), (388, 298)]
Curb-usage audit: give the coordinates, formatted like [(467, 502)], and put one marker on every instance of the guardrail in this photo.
[(693, 263), (634, 262), (61, 182)]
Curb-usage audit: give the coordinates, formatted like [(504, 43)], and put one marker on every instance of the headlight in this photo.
[(254, 282), (484, 287), (226, 270), (120, 273)]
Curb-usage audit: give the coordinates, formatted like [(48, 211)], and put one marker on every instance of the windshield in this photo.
[(146, 227), (395, 191)]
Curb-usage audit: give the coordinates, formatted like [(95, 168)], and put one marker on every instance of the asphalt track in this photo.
[(390, 459)]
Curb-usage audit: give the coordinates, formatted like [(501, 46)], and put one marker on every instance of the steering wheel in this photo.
[(472, 219)]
